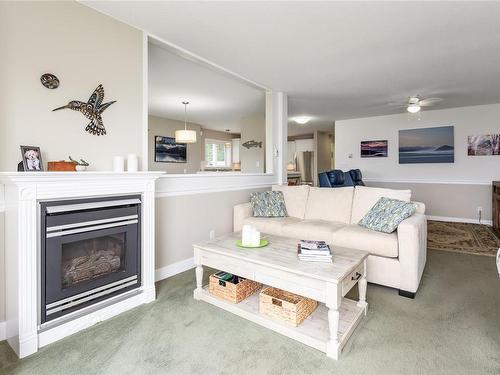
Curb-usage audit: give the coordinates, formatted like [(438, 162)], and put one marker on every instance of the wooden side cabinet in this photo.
[(496, 205)]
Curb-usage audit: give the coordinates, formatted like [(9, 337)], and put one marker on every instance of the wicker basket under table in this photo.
[(285, 306), (234, 293)]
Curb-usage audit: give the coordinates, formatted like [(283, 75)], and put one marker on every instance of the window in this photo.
[(217, 153)]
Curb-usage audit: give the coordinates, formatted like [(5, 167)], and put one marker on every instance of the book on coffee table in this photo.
[(314, 251)]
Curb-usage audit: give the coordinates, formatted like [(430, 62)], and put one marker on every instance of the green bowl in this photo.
[(263, 242)]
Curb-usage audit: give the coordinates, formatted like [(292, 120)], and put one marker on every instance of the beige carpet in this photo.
[(462, 237), (452, 327)]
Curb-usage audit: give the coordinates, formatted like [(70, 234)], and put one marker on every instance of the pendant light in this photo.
[(185, 136)]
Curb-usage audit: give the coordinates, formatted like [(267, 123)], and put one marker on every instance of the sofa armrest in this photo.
[(420, 207), (240, 213), (412, 243)]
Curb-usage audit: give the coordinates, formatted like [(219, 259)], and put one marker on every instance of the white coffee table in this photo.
[(277, 265)]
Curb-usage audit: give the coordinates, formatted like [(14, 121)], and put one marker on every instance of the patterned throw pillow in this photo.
[(386, 215), (268, 204)]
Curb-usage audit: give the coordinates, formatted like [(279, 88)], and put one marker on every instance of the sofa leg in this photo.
[(406, 294)]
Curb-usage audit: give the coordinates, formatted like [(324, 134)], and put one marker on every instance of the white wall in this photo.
[(323, 151), (86, 48), (472, 174), (83, 48), (467, 121), (183, 220)]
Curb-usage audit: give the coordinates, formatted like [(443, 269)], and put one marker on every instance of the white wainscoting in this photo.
[(423, 181)]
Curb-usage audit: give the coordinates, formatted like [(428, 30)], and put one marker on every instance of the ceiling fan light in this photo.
[(413, 108), (302, 120), (185, 136)]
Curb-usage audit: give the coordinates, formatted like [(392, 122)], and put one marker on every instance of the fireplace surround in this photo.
[(27, 194)]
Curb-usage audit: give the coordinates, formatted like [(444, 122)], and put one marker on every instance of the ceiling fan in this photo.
[(414, 104)]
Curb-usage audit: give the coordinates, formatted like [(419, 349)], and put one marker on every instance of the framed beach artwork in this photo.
[(374, 149), (427, 145), (483, 145), (168, 151)]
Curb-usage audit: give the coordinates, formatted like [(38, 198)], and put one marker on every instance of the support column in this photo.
[(277, 135)]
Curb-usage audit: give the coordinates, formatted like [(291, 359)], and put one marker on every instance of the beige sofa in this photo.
[(396, 260)]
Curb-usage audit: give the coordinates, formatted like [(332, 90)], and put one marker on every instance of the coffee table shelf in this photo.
[(276, 265), (314, 331)]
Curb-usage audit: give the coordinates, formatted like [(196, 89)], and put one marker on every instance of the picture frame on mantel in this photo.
[(32, 159)]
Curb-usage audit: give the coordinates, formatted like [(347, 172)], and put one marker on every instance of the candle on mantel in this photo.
[(132, 163), (118, 164)]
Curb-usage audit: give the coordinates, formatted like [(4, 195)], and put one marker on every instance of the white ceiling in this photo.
[(339, 60), (215, 100)]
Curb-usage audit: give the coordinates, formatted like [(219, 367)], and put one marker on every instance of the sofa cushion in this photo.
[(330, 204), (366, 197), (268, 204), (318, 230), (386, 215), (270, 225), (295, 199), (376, 243)]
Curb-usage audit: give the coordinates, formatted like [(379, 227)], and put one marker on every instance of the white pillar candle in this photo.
[(132, 163), (255, 237), (118, 164), (246, 235)]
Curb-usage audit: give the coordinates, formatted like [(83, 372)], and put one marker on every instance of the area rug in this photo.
[(462, 237)]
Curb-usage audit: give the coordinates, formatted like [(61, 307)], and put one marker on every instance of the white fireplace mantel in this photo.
[(23, 191)]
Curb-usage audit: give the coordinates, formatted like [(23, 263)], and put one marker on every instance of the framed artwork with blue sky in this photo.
[(427, 145)]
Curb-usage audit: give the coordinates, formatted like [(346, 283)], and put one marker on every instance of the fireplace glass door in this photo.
[(90, 259)]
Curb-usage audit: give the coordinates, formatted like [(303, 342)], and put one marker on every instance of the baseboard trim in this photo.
[(3, 331), (459, 220), (174, 269)]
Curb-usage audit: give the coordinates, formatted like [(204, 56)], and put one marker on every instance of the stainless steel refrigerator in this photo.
[(305, 165)]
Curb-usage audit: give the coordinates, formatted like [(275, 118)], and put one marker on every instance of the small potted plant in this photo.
[(80, 165)]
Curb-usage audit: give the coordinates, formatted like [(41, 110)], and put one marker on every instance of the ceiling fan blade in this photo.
[(398, 104), (429, 102)]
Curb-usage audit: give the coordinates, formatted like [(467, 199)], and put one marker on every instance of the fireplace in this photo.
[(90, 252)]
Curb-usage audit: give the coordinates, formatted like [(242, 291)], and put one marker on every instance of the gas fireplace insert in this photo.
[(90, 251)]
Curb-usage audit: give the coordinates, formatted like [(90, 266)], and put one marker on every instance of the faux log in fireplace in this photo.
[(90, 252)]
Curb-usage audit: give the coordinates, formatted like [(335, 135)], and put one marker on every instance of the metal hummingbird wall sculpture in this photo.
[(91, 110)]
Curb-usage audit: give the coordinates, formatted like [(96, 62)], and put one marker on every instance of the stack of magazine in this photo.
[(314, 251)]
